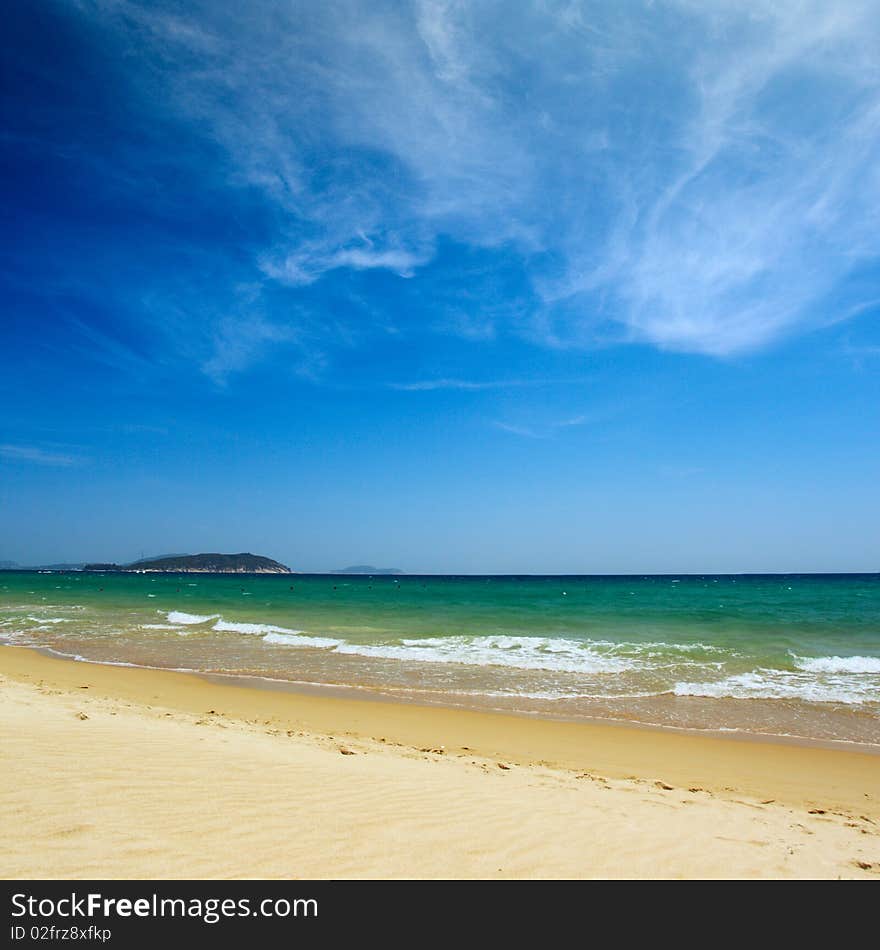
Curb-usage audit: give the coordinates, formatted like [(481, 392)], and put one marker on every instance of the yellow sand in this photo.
[(165, 775)]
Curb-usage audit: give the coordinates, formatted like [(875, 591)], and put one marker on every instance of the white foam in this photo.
[(138, 666), (159, 626), (294, 639), (259, 629), (50, 619), (178, 616), (554, 654), (838, 664), (549, 695), (783, 684), (526, 653)]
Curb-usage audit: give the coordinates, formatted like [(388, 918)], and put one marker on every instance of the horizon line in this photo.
[(403, 573)]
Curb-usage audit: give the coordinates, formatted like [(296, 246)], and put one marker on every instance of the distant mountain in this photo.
[(158, 557), (58, 567), (368, 569), (15, 566), (199, 564)]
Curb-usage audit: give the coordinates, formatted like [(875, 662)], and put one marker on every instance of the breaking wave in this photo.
[(839, 664), (809, 686), (178, 616)]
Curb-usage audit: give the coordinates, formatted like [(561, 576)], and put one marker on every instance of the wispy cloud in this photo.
[(547, 428), (573, 421), (38, 456), (524, 431), (308, 263), (427, 385), (698, 176), (239, 341), (862, 356), (478, 385), (776, 196)]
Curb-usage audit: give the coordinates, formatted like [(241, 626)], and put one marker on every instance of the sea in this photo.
[(777, 655)]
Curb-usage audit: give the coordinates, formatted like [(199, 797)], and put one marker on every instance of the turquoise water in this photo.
[(783, 654)]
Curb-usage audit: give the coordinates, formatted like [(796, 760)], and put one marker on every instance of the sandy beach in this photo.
[(112, 772)]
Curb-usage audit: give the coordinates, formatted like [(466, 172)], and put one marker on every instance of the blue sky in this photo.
[(447, 286)]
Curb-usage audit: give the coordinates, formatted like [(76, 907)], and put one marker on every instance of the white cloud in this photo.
[(38, 456), (779, 196), (702, 176), (239, 341), (308, 262)]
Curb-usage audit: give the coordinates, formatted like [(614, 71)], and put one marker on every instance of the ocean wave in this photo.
[(838, 664), (270, 633), (525, 653), (783, 684), (258, 629), (550, 654), (50, 619), (689, 668), (297, 639), (659, 647), (178, 616)]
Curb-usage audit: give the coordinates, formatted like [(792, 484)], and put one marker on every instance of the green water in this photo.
[(786, 654)]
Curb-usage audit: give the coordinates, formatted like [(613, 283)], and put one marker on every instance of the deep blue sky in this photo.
[(465, 287)]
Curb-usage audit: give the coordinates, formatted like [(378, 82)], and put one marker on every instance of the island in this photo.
[(199, 564)]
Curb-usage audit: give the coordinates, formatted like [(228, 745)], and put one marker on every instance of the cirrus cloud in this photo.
[(702, 177)]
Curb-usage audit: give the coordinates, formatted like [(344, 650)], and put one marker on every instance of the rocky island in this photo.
[(199, 564)]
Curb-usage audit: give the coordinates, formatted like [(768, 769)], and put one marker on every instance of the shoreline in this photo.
[(749, 658), (529, 738), (360, 693), (237, 781)]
